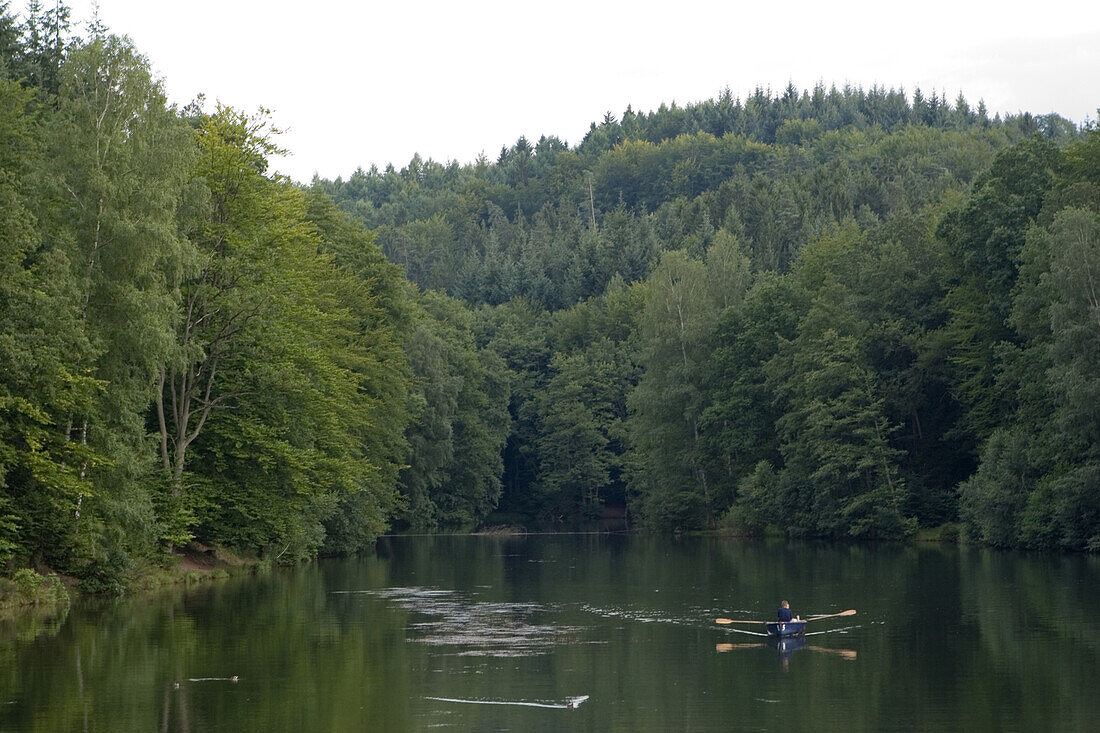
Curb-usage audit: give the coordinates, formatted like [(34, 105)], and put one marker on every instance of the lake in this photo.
[(581, 633)]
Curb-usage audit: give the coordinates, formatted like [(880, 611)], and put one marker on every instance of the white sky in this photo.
[(361, 83)]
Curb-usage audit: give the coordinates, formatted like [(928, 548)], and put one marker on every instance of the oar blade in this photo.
[(727, 647), (850, 654), (849, 612)]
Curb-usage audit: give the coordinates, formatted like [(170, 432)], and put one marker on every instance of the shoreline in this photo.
[(42, 596), (31, 595)]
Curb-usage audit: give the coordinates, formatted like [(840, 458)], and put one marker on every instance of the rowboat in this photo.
[(787, 645), (785, 628)]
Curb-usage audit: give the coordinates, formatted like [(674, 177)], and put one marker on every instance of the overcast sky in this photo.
[(361, 83)]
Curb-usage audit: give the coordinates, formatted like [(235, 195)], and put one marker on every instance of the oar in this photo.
[(849, 654), (725, 647), (849, 612)]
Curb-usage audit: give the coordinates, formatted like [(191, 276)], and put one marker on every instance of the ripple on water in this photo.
[(477, 628), (630, 614)]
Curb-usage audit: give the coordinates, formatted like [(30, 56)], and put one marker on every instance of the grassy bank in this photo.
[(28, 592), (29, 589), (949, 533), (195, 564)]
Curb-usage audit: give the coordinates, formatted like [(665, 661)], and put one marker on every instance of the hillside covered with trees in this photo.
[(832, 313), (825, 311)]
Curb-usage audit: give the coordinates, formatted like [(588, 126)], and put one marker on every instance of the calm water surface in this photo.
[(580, 633)]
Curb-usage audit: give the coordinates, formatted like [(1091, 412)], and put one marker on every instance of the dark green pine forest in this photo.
[(837, 313)]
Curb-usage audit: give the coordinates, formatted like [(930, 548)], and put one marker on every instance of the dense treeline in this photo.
[(554, 225), (193, 348), (802, 311), (832, 313)]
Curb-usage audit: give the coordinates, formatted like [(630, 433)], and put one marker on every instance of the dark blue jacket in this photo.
[(784, 615)]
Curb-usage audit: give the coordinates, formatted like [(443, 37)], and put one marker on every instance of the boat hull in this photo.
[(787, 628)]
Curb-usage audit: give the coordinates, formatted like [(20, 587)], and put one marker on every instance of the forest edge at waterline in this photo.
[(843, 314)]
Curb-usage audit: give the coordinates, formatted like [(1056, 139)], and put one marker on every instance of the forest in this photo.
[(835, 313)]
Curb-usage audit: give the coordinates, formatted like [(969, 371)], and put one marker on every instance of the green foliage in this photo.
[(867, 378), (992, 499), (836, 312), (287, 393), (28, 588), (739, 423), (40, 335), (760, 499), (107, 573), (555, 225), (580, 442), (453, 476), (1036, 484), (670, 471), (188, 346), (835, 436), (985, 239), (96, 321), (518, 333)]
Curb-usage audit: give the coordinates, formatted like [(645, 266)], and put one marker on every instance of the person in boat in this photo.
[(785, 612)]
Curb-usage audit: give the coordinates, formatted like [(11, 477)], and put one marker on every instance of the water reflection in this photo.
[(445, 618), (571, 704), (477, 633), (787, 646)]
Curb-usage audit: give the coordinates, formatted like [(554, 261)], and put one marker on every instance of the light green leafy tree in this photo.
[(117, 161), (283, 401), (41, 340)]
